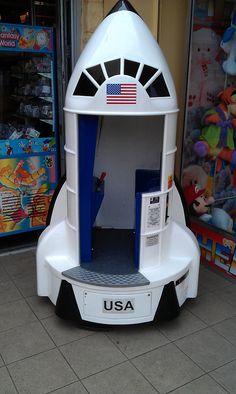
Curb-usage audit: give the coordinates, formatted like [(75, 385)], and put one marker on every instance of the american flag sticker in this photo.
[(121, 93)]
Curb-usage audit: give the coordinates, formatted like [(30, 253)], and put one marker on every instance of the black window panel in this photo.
[(85, 87), (131, 68), (97, 73), (113, 67), (147, 74), (158, 88)]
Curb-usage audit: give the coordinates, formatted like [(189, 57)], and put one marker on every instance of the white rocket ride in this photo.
[(117, 249)]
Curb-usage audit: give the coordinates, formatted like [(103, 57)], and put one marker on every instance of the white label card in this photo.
[(153, 217)]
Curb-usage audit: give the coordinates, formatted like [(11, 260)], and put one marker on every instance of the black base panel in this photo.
[(168, 307), (66, 307)]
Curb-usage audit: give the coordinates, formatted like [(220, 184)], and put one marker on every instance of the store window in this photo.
[(29, 12), (29, 121), (15, 12), (45, 12), (209, 150)]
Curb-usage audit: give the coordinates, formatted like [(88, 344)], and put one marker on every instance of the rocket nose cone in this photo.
[(122, 5)]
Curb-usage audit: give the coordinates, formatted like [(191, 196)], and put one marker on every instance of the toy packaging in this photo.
[(217, 247), (209, 151)]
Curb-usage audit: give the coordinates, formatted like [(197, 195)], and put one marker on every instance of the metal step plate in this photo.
[(90, 277)]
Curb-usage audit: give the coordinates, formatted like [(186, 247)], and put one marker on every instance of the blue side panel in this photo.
[(87, 145)]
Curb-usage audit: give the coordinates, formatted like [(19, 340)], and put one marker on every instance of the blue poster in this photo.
[(25, 38)]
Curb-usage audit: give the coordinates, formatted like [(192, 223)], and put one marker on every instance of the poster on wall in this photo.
[(26, 188), (25, 38)]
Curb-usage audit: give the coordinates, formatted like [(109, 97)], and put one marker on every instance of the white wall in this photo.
[(124, 145)]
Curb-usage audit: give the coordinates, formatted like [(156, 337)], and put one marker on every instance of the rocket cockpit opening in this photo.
[(129, 151)]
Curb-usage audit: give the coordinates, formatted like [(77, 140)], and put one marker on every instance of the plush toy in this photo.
[(228, 44), (200, 205), (230, 207), (194, 175), (217, 138), (206, 71), (222, 181)]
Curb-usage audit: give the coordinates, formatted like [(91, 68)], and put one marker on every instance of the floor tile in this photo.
[(226, 377), (14, 314), (186, 323), (203, 385), (35, 366), (41, 306), (9, 292), (210, 309), (74, 388), (209, 280), (123, 378), (207, 348), (228, 294), (26, 283), (227, 329), (42, 373), (6, 386), (24, 341), (92, 354), (4, 277), (135, 340), (64, 331), (167, 368), (20, 263)]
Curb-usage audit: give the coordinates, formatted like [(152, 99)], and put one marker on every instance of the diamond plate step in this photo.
[(83, 275)]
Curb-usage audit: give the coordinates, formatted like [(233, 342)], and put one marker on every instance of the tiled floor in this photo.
[(40, 353)]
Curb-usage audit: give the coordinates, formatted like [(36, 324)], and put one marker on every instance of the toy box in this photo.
[(217, 247)]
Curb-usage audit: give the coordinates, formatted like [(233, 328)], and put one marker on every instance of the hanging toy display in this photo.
[(202, 206), (208, 175), (219, 125), (216, 149)]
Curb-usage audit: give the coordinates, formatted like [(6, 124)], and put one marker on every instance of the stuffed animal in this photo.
[(194, 175), (206, 71), (200, 205), (222, 181), (228, 44), (219, 125)]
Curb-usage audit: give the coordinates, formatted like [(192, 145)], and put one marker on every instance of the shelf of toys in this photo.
[(28, 127), (209, 151)]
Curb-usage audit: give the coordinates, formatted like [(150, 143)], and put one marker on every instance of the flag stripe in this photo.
[(121, 93), (121, 98)]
